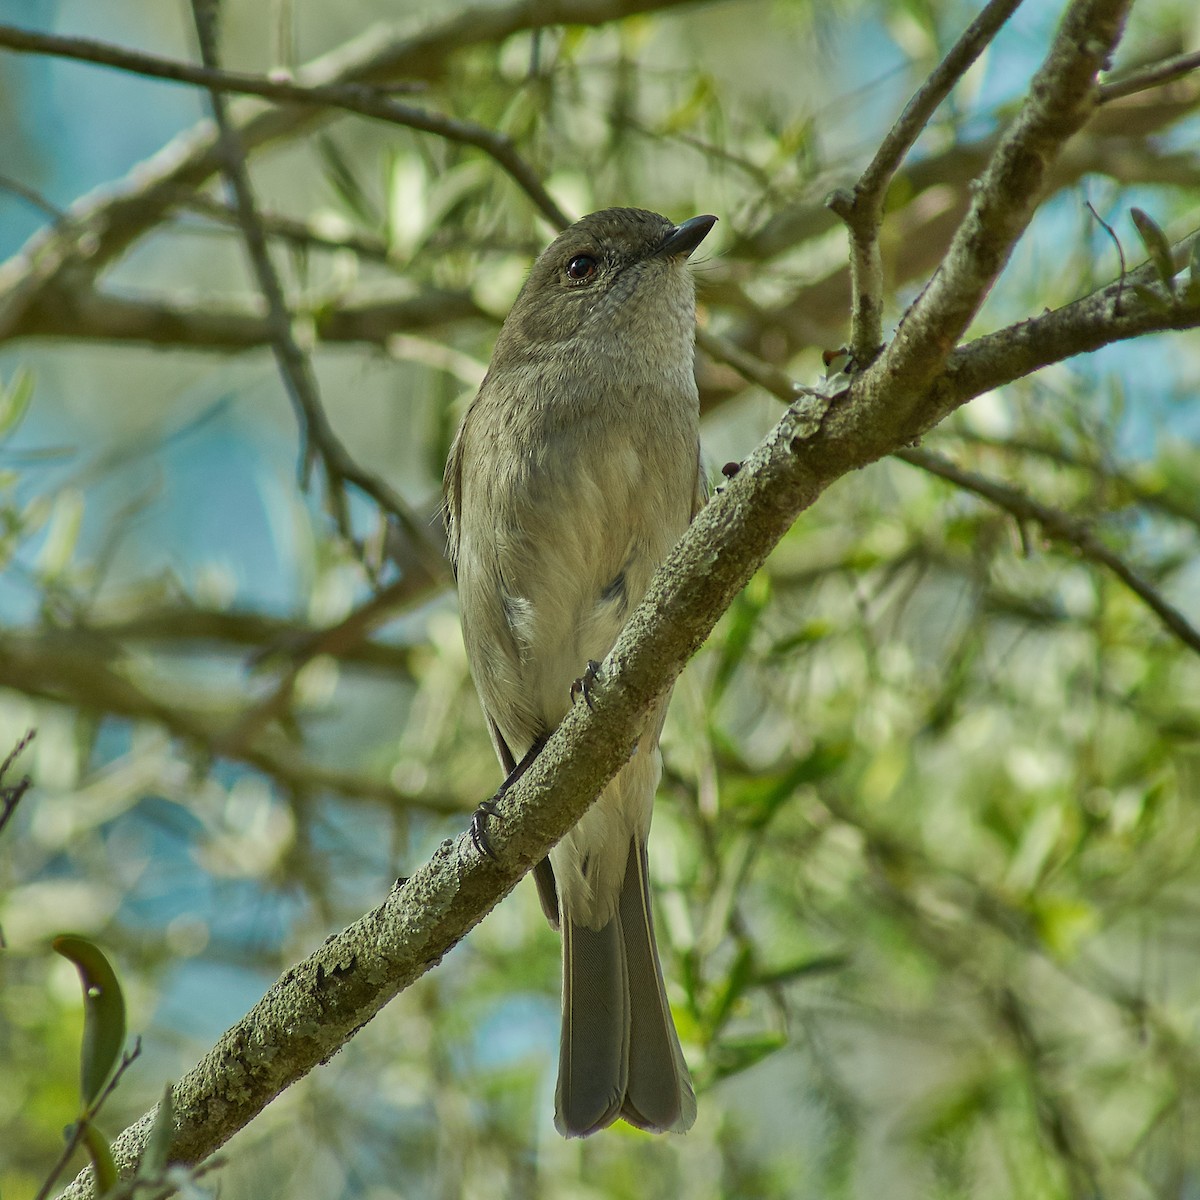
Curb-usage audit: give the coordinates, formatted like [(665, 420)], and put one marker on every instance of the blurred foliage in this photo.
[(927, 844)]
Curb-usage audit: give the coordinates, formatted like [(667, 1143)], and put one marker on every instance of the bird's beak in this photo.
[(683, 239)]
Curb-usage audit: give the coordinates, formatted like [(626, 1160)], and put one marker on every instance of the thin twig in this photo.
[(300, 233), (1155, 75), (11, 794), (153, 66), (1061, 99), (318, 434), (1059, 527), (32, 197), (1116, 241), (77, 1129), (358, 98), (862, 208)]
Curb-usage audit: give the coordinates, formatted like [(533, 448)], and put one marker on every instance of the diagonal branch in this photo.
[(358, 98), (862, 208), (103, 225), (1007, 355), (1155, 75), (1060, 528), (318, 436), (1063, 95), (317, 1005)]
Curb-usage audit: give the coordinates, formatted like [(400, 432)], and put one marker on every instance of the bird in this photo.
[(572, 474)]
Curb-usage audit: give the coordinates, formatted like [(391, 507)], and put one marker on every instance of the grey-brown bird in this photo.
[(573, 473)]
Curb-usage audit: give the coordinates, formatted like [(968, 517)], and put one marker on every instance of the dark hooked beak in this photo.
[(683, 239)]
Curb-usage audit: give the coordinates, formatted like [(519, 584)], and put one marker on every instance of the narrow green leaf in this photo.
[(103, 1015), (741, 622), (101, 1156), (158, 1141), (733, 987), (740, 1054), (1157, 246), (345, 184), (819, 965), (1151, 297), (14, 400)]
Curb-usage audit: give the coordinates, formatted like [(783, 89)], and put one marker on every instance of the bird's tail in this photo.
[(619, 1054)]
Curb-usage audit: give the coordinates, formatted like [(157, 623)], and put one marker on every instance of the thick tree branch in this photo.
[(1112, 314), (318, 1005), (1072, 330)]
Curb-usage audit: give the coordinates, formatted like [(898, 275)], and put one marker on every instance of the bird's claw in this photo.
[(583, 685), (478, 830)]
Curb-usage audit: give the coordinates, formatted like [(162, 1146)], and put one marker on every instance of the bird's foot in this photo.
[(490, 808), (479, 820), (583, 685)]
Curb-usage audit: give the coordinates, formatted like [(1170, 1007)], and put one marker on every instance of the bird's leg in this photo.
[(583, 685), (479, 819)]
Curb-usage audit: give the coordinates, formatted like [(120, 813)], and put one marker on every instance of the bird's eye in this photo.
[(581, 267)]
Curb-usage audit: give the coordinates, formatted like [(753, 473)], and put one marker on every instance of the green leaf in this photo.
[(1151, 298), (762, 797), (733, 986), (1157, 246), (101, 1156), (103, 1015), (741, 622), (821, 964), (345, 184), (158, 1141), (14, 400), (740, 1054)]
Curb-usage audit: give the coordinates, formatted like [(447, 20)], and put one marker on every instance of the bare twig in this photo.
[(1061, 99), (363, 99), (333, 640), (862, 209), (77, 1130), (1155, 75), (11, 794), (100, 314), (1054, 1112), (44, 668), (1116, 241), (319, 437), (1141, 485), (31, 196), (1059, 527), (153, 66), (1056, 524), (300, 233)]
